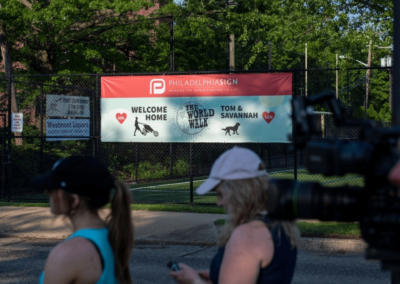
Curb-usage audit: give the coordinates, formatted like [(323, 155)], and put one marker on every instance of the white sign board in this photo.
[(17, 122), (67, 106), (67, 127)]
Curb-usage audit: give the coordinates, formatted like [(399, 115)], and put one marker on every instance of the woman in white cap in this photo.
[(99, 250), (252, 248)]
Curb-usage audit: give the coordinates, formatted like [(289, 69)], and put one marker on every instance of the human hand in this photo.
[(205, 275), (186, 275)]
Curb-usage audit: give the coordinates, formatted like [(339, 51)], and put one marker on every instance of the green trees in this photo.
[(83, 36), (105, 36), (74, 36)]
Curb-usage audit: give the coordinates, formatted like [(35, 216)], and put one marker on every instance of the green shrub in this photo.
[(130, 170), (181, 168), (144, 170), (159, 171)]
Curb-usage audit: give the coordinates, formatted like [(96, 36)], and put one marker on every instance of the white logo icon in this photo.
[(157, 86)]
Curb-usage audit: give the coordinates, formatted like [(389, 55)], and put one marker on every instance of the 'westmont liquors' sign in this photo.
[(196, 108)]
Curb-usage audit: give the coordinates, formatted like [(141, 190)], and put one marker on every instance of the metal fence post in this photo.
[(170, 160), (41, 130), (327, 75), (286, 156), (301, 76), (293, 136), (3, 158), (348, 91), (191, 173), (269, 155), (136, 162), (96, 118), (348, 100), (9, 140)]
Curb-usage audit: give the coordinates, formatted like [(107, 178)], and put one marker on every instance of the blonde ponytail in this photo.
[(121, 231)]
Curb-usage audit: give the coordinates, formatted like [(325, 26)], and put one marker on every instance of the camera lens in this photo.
[(336, 157), (309, 200)]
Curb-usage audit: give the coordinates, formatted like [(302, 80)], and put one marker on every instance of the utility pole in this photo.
[(171, 46), (386, 64), (337, 77), (230, 46), (270, 56), (227, 53), (232, 52), (368, 76), (6, 55), (306, 69)]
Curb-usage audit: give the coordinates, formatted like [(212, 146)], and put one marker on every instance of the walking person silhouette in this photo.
[(137, 126)]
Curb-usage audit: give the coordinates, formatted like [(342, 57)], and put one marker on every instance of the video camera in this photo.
[(375, 205)]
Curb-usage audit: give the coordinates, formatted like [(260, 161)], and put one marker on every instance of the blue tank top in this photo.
[(99, 237), (281, 268)]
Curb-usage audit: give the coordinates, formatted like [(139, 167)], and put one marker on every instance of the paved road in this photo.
[(21, 261)]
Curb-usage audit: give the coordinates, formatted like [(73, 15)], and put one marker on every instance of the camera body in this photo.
[(375, 205)]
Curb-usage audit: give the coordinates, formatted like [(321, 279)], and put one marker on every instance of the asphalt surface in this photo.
[(178, 228), (22, 260), (28, 234)]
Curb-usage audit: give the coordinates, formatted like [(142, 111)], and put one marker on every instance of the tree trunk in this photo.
[(5, 53)]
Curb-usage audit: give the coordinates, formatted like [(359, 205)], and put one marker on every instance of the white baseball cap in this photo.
[(236, 163)]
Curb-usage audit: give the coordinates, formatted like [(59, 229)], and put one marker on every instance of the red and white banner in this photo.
[(196, 108)]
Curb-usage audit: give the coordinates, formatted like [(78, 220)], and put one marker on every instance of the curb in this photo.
[(333, 245), (339, 246), (179, 243)]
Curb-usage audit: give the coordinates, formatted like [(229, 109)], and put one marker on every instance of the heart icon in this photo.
[(268, 117), (121, 117)]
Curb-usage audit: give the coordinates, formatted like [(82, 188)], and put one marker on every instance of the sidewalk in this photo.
[(150, 227)]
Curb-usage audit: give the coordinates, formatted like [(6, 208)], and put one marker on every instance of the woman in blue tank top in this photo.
[(99, 250), (252, 248)]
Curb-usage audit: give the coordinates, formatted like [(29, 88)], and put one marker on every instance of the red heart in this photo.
[(121, 117), (268, 117)]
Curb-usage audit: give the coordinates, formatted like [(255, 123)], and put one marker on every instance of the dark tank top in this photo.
[(281, 268)]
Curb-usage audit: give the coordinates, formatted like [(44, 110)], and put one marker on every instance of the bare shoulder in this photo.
[(251, 232), (251, 242), (72, 253), (255, 239), (71, 260), (72, 249)]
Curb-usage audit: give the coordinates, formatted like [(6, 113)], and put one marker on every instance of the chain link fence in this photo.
[(157, 172)]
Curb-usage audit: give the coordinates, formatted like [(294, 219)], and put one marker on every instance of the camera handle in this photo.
[(396, 275), (389, 260)]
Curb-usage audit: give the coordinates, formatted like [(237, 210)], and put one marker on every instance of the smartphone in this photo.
[(173, 266)]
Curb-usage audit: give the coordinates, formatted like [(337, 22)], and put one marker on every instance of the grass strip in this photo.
[(322, 229), (178, 208), (146, 207), (329, 229), (24, 204)]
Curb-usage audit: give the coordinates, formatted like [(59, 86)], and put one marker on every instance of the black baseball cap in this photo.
[(83, 175)]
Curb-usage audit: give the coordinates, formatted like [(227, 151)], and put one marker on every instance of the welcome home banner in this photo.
[(197, 108)]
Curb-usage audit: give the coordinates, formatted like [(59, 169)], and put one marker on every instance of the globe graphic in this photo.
[(182, 119)]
